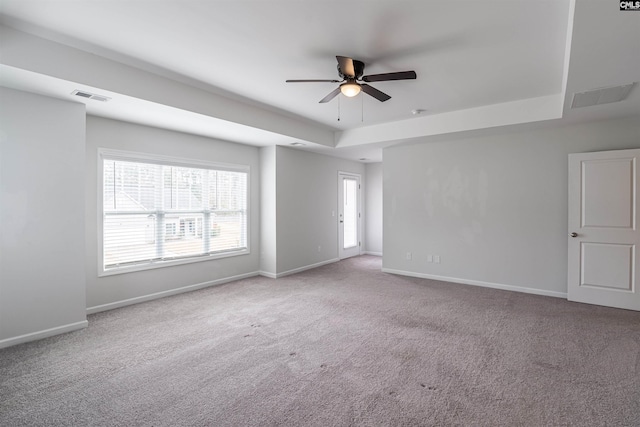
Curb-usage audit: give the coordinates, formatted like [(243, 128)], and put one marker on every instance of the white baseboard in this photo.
[(298, 270), (150, 297), (269, 275), (478, 283), (372, 253), (33, 336)]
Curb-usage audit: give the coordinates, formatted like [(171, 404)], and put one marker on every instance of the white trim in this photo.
[(100, 212), (111, 154), (358, 177), (298, 270), (478, 283), (170, 262), (372, 253), (170, 292), (269, 275), (46, 333)]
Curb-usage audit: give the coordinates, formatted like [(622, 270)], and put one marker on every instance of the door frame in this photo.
[(358, 177)]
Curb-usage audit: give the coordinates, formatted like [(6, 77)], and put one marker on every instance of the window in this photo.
[(158, 211)]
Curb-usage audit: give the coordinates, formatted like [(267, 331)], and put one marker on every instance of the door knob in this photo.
[(574, 234)]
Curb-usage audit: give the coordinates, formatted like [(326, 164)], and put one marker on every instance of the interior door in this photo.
[(603, 233), (348, 215)]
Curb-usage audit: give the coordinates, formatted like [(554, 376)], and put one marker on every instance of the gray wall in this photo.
[(112, 291), (494, 208), (373, 208), (306, 197), (42, 272)]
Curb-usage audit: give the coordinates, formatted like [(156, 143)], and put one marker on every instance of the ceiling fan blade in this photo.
[(346, 65), (330, 96), (400, 75), (370, 90), (313, 81)]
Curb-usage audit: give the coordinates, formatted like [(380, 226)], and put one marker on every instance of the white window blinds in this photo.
[(154, 212)]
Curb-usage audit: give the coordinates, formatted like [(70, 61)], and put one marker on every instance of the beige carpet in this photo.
[(340, 345)]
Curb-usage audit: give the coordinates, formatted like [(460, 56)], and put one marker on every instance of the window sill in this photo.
[(169, 263)]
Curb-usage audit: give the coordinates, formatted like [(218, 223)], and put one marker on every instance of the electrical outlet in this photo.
[(436, 259), (319, 248), (408, 255), (429, 258)]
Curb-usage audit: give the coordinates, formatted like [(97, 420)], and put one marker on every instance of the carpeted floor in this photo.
[(339, 345)]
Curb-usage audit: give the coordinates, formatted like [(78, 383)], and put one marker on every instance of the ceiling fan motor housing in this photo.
[(358, 67)]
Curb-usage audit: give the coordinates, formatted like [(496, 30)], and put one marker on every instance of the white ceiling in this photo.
[(480, 64)]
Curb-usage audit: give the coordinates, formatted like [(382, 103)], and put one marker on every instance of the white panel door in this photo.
[(603, 232), (348, 215)]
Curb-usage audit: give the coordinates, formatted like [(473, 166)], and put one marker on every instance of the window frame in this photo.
[(132, 156)]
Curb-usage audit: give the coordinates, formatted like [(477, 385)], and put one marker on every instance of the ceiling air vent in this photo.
[(603, 95), (93, 96)]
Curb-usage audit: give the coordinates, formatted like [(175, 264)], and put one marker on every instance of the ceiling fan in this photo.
[(351, 71)]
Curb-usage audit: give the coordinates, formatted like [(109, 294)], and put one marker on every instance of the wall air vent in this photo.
[(89, 95), (603, 95)]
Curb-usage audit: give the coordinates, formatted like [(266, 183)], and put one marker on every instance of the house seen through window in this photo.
[(154, 213)]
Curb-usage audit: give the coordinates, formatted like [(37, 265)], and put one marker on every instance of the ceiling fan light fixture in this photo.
[(350, 89)]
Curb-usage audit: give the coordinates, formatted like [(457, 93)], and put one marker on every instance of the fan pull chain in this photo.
[(361, 108), (338, 107)]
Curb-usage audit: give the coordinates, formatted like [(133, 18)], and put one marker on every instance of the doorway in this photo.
[(349, 217)]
